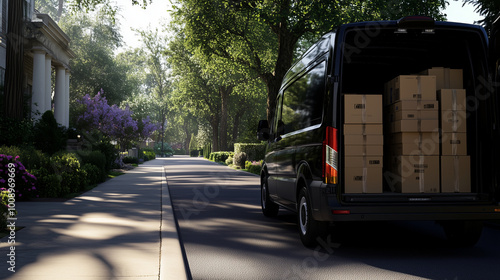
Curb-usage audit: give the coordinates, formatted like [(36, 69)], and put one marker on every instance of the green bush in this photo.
[(220, 156), (130, 160), (254, 151), (109, 151), (67, 166), (149, 153), (207, 150), (94, 174), (194, 153), (253, 167), (96, 158), (229, 160), (49, 136), (15, 132), (4, 208), (49, 185), (239, 159)]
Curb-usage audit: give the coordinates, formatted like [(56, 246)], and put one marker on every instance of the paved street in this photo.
[(226, 237)]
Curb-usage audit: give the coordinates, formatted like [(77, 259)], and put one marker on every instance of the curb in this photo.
[(173, 261)]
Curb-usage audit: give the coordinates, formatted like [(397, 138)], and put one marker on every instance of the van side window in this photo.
[(277, 123), (303, 100)]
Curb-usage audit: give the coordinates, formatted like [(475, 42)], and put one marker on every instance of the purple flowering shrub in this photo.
[(113, 121), (23, 183)]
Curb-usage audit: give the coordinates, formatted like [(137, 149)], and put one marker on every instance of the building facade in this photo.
[(47, 56)]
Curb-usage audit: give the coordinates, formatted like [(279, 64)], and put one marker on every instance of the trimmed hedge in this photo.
[(254, 151), (221, 156)]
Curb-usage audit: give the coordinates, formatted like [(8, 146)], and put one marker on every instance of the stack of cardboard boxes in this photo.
[(413, 133), (364, 143), (455, 163)]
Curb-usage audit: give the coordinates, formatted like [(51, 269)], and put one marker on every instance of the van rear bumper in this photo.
[(414, 212), (393, 207)]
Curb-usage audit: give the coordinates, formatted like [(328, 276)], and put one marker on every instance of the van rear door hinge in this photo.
[(332, 79)]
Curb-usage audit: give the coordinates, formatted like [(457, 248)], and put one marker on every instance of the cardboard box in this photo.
[(455, 174), (453, 144), (363, 129), (413, 115), (414, 126), (413, 87), (454, 121), (363, 174), (362, 109), (364, 150), (416, 174), (446, 78), (359, 139), (414, 105), (452, 99), (414, 143)]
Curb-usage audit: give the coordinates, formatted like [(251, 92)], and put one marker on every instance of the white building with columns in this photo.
[(47, 56)]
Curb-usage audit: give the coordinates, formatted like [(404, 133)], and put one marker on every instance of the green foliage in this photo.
[(98, 160), (253, 167), (254, 151), (229, 160), (149, 153), (130, 160), (193, 147), (15, 132), (49, 184), (207, 150), (67, 166), (94, 174), (49, 136), (4, 208), (220, 156), (167, 149), (489, 9), (239, 159)]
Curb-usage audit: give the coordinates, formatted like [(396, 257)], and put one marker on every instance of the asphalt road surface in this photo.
[(225, 236)]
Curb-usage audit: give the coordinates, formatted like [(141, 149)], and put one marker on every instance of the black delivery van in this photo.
[(389, 120)]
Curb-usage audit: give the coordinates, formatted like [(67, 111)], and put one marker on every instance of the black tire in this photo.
[(309, 229), (269, 208), (462, 233)]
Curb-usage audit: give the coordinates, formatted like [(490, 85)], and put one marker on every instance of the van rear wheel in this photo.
[(269, 208), (462, 233), (309, 228)]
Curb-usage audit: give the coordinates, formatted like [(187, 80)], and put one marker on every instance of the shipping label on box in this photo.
[(362, 109), (446, 78), (364, 150), (414, 87), (454, 121), (414, 126), (455, 174), (415, 105), (358, 139), (416, 174), (363, 180), (414, 143), (452, 99), (413, 115), (454, 144), (363, 129)]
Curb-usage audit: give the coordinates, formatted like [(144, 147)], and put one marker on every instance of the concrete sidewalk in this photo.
[(122, 229)]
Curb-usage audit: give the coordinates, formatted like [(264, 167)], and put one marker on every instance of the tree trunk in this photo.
[(236, 124), (224, 94), (14, 72), (214, 123), (286, 46), (60, 9)]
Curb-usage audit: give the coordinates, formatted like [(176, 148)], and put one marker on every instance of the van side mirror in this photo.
[(263, 130)]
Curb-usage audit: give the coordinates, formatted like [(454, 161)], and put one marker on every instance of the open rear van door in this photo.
[(495, 48)]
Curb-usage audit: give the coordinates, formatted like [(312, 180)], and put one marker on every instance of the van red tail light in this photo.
[(330, 156)]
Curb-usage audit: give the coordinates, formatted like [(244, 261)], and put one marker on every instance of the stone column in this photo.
[(59, 97), (38, 90), (66, 105), (48, 82)]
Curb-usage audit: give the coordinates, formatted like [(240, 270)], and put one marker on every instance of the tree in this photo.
[(490, 9), (156, 64), (262, 35)]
